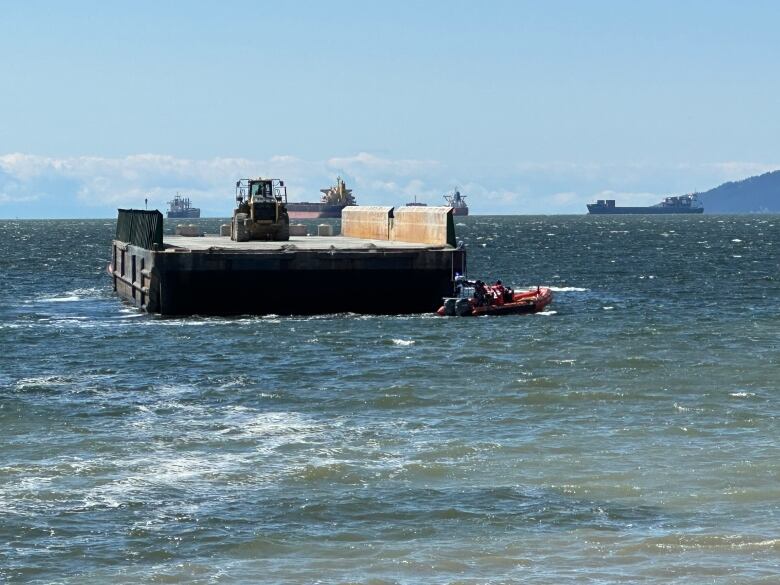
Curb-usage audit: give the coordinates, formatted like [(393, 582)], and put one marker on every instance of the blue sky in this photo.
[(528, 107)]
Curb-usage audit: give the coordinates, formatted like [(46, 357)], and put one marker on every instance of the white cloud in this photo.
[(736, 170), (364, 162), (5, 198), (102, 182), (91, 185), (564, 198)]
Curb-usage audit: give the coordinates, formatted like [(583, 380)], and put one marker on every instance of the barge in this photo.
[(386, 261)]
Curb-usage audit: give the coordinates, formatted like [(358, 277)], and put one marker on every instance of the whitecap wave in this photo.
[(68, 299), (403, 342), (568, 289), (40, 381), (70, 296)]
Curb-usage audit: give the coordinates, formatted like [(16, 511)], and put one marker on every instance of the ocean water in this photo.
[(628, 434)]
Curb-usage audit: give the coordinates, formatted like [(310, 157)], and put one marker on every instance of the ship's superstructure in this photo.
[(457, 202), (334, 199), (181, 207), (669, 205)]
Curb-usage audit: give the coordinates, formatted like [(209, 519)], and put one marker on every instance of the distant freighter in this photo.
[(334, 200), (416, 203), (458, 203), (181, 207), (679, 204)]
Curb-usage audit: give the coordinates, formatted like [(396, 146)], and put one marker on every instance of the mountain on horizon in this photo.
[(759, 194)]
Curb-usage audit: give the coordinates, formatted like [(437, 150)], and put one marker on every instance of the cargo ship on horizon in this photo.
[(670, 205), (457, 202), (416, 203), (181, 207), (334, 199)]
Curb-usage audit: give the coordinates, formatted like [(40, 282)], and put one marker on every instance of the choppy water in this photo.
[(629, 434)]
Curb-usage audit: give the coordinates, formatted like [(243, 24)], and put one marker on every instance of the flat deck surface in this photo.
[(302, 243)]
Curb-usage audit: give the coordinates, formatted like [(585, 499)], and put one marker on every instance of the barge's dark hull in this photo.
[(289, 281)]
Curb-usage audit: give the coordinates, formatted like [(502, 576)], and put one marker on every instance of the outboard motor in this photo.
[(463, 307), (449, 306)]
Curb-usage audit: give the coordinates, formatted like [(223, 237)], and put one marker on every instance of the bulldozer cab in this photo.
[(261, 191)]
